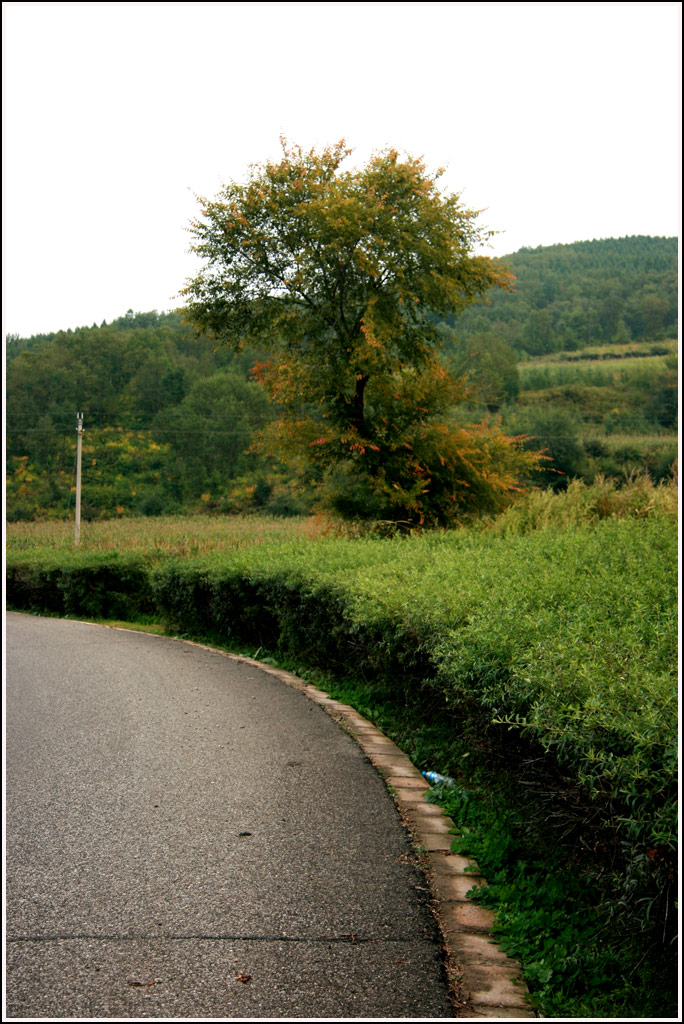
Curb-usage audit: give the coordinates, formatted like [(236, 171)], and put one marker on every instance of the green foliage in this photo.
[(305, 251), (167, 425), (492, 370), (552, 915), (124, 472), (580, 505), (340, 274), (209, 431), (609, 410), (556, 434), (86, 585), (632, 390)]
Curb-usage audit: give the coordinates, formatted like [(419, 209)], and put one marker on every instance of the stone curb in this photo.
[(485, 981)]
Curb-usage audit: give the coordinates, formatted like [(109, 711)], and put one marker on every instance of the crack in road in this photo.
[(350, 938)]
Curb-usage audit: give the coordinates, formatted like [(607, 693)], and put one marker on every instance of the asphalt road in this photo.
[(189, 837)]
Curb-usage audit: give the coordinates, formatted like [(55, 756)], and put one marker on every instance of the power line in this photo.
[(16, 431)]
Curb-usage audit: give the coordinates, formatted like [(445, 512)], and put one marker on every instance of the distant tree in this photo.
[(157, 384), (662, 406), (210, 431), (654, 309), (609, 308), (538, 332), (555, 433), (340, 274), (492, 370)]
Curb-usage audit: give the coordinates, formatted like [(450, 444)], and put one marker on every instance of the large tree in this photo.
[(343, 275)]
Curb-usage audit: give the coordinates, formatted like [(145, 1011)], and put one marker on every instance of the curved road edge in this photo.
[(485, 981)]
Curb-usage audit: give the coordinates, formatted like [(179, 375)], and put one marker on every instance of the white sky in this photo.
[(562, 120)]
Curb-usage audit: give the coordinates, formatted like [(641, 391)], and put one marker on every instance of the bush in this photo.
[(85, 585), (556, 433)]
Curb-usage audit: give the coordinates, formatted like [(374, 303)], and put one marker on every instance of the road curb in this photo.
[(485, 981)]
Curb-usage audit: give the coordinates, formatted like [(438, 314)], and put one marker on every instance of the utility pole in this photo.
[(79, 445)]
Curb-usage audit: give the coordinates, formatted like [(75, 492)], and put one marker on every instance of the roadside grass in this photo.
[(158, 628), (587, 504)]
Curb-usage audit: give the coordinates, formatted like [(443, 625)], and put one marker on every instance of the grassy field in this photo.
[(606, 373), (160, 536), (591, 353), (532, 658)]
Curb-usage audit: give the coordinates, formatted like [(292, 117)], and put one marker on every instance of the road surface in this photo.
[(189, 837)]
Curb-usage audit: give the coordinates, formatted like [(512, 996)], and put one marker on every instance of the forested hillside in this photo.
[(567, 297), (580, 355), (168, 419)]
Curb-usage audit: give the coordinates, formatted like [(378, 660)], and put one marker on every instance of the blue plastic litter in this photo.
[(435, 779)]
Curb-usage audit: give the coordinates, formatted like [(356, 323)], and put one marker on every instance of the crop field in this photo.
[(158, 537), (603, 373), (591, 353), (603, 366)]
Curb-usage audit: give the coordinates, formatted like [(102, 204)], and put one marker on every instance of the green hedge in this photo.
[(565, 639), (91, 586)]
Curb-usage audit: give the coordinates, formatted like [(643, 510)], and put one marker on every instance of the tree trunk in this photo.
[(357, 417)]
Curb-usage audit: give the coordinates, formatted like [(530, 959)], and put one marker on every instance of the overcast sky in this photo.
[(560, 120)]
